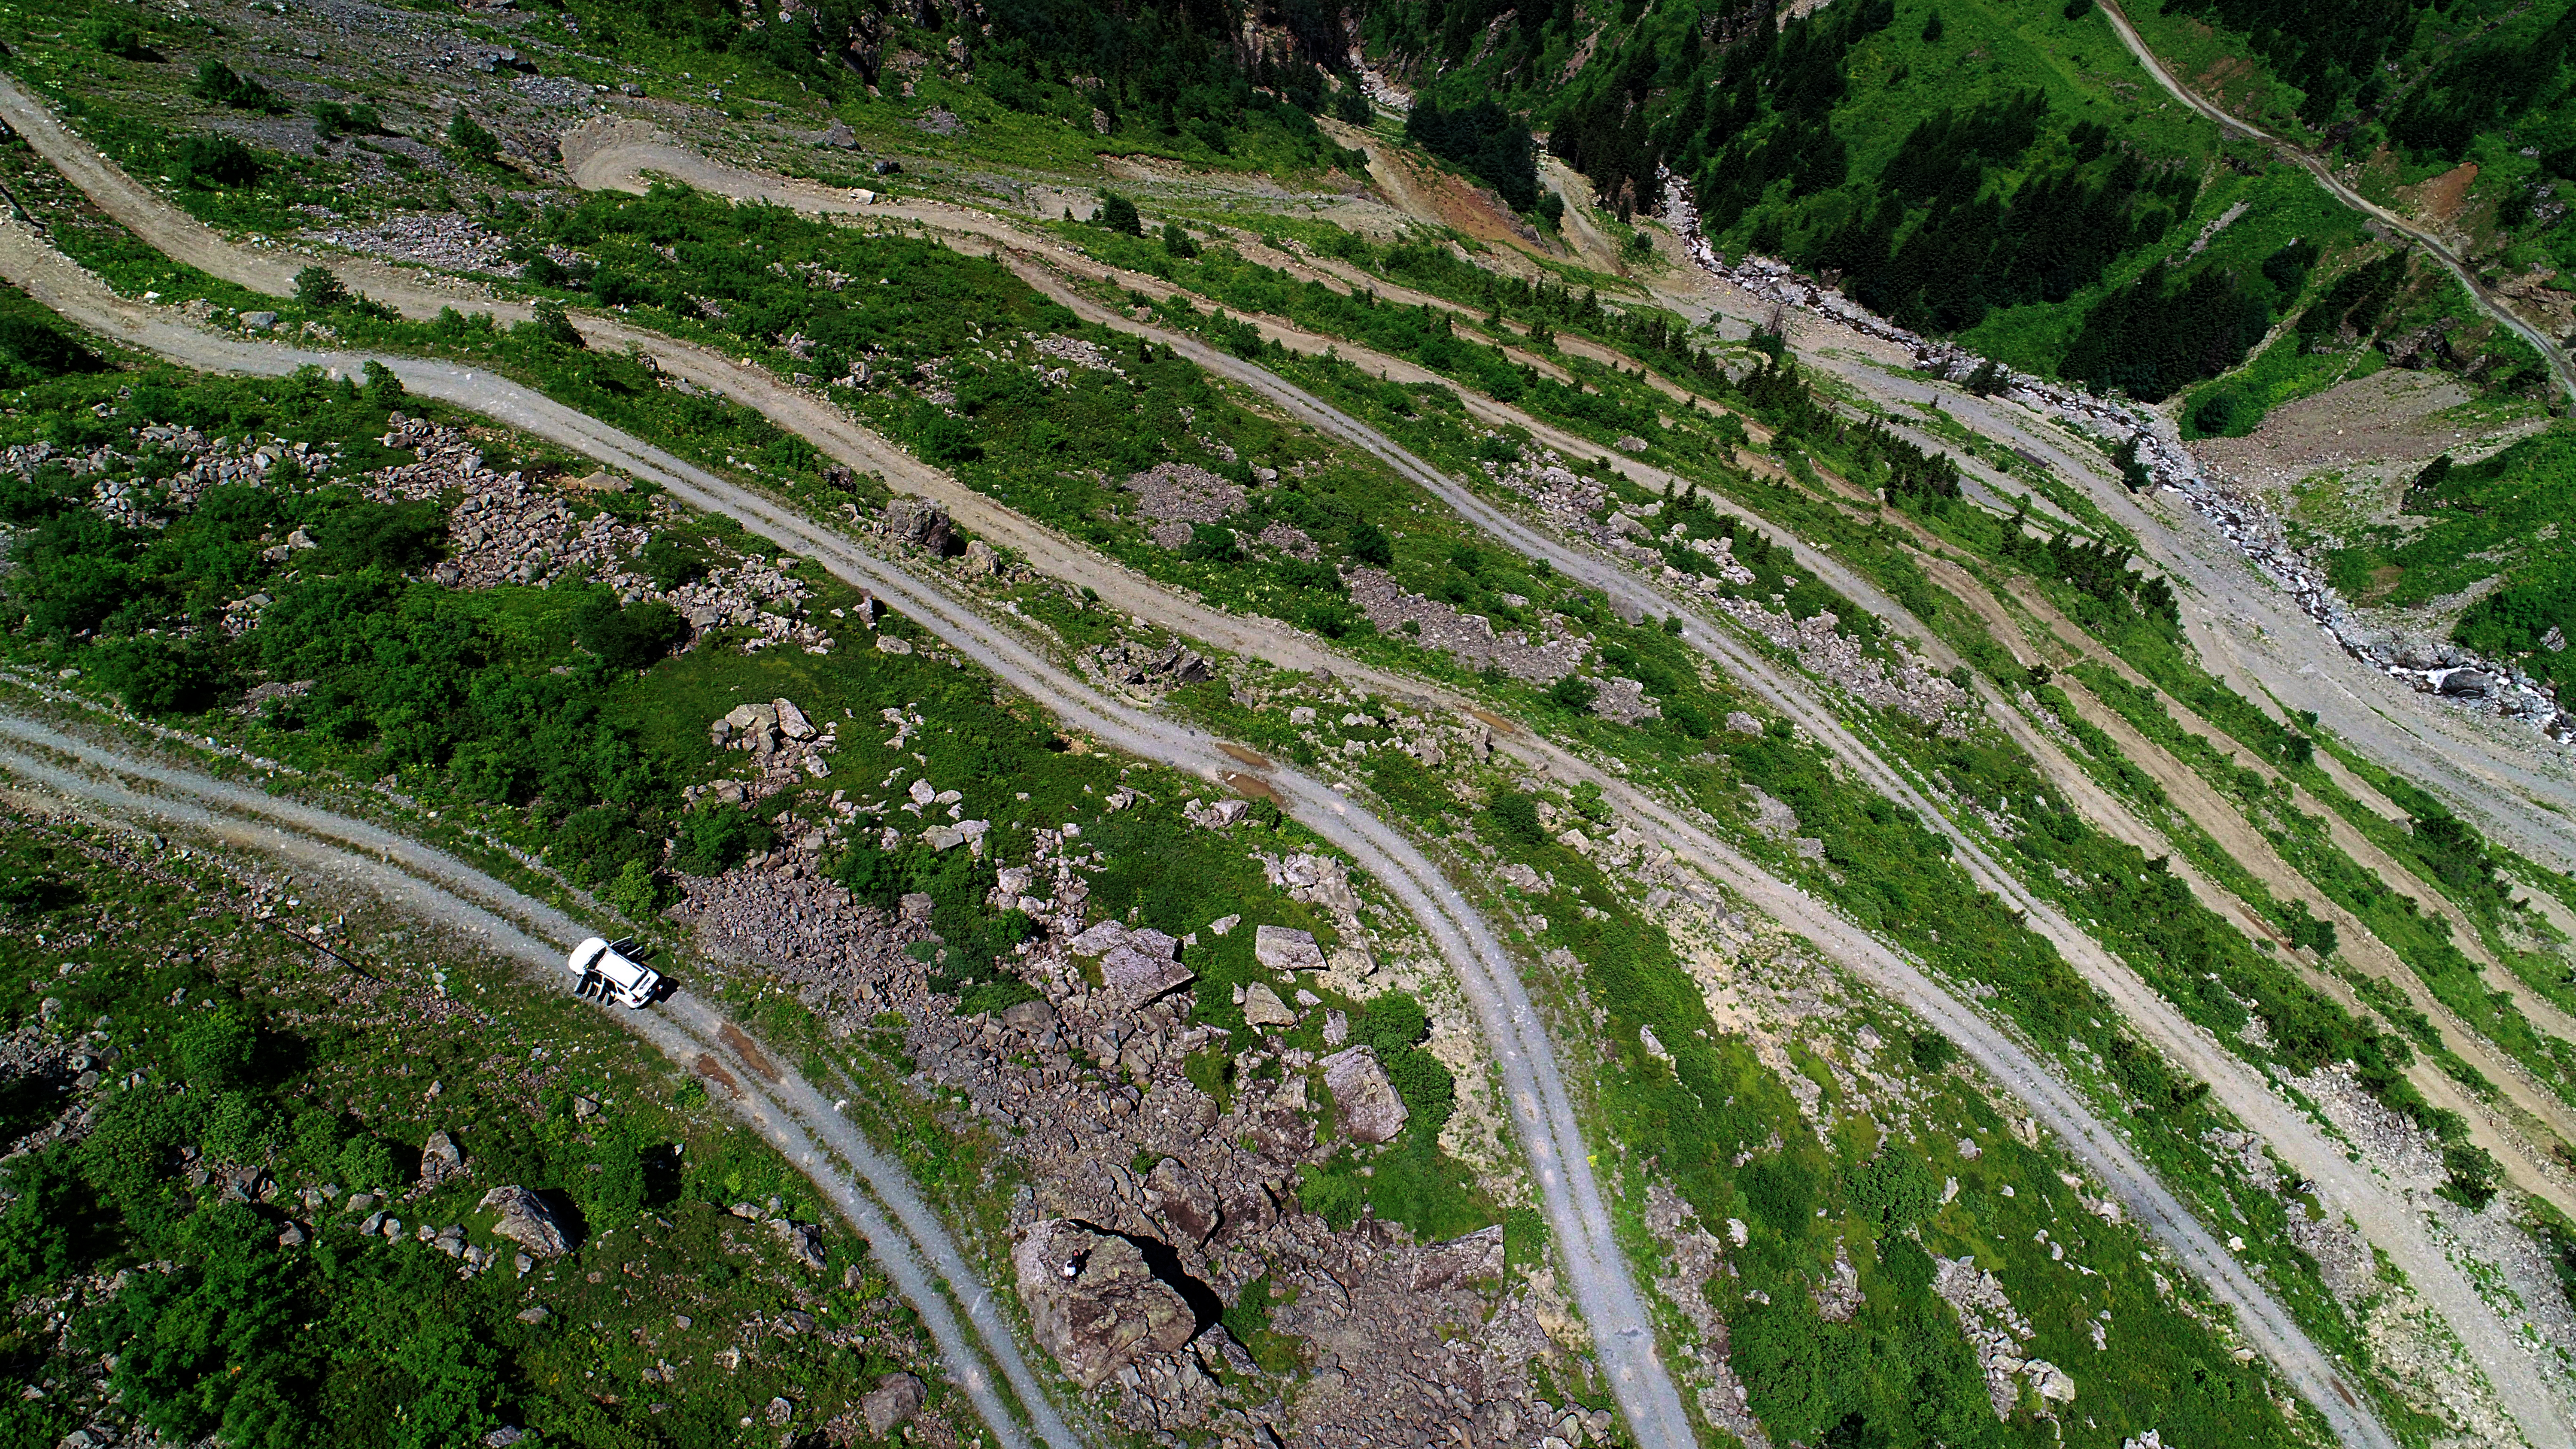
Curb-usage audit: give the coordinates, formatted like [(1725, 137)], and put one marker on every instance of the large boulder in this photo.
[(1139, 965), (920, 521), (1366, 1102), (1262, 1007), (1181, 1203), (440, 1159), (1282, 949), (892, 1404), (1093, 1303), (2468, 684), (1461, 1260), (804, 1241), (527, 1221)]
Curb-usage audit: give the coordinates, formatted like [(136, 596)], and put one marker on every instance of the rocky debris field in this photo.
[(1912, 687), (1153, 1203), (448, 241), (1471, 637), (1137, 664), (786, 748), (167, 470), (1177, 495), (505, 529), (1997, 1331)]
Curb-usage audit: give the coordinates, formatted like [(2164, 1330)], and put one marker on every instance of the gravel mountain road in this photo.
[(2371, 1201), (1623, 584), (1598, 1274), (788, 1113)]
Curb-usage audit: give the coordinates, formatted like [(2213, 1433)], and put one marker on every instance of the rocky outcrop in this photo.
[(891, 1404), (440, 1159), (804, 1241), (1140, 966), (922, 523), (1093, 1302), (1282, 949), (1365, 1100), (527, 1221)]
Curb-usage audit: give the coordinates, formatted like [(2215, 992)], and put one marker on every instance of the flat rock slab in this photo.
[(1282, 949), (1365, 1100)]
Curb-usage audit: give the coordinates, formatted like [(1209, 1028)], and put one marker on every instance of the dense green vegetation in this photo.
[(2500, 513), (264, 1057)]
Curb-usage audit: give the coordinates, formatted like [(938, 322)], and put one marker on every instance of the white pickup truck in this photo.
[(602, 969)]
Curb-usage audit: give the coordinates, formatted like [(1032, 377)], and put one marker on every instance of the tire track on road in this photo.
[(1598, 1273), (786, 1111)]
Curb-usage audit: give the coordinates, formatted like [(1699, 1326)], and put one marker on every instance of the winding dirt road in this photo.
[(1543, 1111), (788, 1113), (2308, 1370)]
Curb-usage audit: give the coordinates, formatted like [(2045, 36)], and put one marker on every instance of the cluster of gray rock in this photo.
[(786, 748), (168, 470), (1178, 496), (1139, 665), (1153, 1202), (1912, 687), (450, 241), (1471, 637), (1570, 500), (1996, 1330), (505, 528)]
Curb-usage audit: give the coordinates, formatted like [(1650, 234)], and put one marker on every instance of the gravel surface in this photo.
[(1980, 1025), (788, 1113)]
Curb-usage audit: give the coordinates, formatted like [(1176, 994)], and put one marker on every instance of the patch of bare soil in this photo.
[(1162, 171), (2442, 199), (2228, 70), (1438, 198), (2394, 415)]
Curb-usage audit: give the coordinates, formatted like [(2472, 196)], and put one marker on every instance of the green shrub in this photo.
[(159, 675), (111, 36), (1370, 545), (320, 288), (31, 352), (214, 161), (222, 85), (1895, 1188), (1931, 1051), (674, 559), (2473, 1172), (1515, 815), (548, 323), (332, 119), (396, 538), (48, 1227), (1118, 214), (714, 838), (467, 135), (366, 1163), (215, 1049), (1574, 692), (632, 637)]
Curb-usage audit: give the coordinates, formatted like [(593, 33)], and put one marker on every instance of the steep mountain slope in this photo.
[(1760, 616)]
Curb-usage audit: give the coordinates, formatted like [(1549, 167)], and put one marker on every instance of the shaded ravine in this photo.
[(1598, 1274), (782, 1108)]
